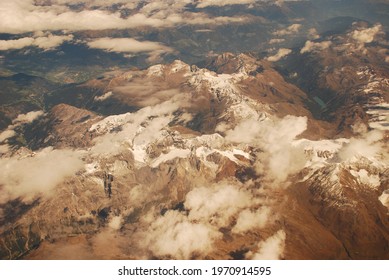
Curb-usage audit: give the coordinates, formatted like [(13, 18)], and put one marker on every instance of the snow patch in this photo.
[(178, 66), (110, 122), (319, 152), (115, 223), (172, 154), (365, 178), (384, 198), (91, 168), (379, 116), (155, 70)]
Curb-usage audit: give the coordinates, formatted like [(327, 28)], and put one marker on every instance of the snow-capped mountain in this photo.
[(215, 162)]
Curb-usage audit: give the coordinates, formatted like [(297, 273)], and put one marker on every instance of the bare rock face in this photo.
[(356, 217), (63, 126)]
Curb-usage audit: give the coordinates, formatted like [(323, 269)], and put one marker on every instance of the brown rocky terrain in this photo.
[(221, 162)]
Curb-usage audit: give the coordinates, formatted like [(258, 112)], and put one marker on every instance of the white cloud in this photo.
[(19, 120), (270, 249), (143, 93), (176, 236), (312, 34), (46, 43), (129, 45), (4, 149), (6, 134), (368, 145), (34, 175), (99, 3), (281, 3), (51, 41), (276, 41), (16, 44), (366, 35), (28, 117), (137, 129), (217, 204), (313, 46), (182, 235), (384, 198), (103, 97), (280, 54), (207, 3), (115, 222), (249, 219), (279, 158), (292, 29), (367, 179), (23, 16)]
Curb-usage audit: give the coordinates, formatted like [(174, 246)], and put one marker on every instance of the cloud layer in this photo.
[(21, 16), (279, 158), (315, 46), (44, 42), (279, 55), (33, 175), (367, 35), (129, 45), (207, 3), (271, 248), (292, 29)]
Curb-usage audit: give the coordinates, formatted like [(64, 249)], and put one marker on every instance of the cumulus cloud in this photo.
[(4, 149), (131, 46), (249, 219), (270, 249), (282, 2), (384, 198), (367, 179), (103, 97), (276, 41), (279, 158), (51, 41), (16, 44), (20, 120), (176, 236), (280, 54), (292, 29), (6, 134), (144, 93), (99, 3), (207, 3), (136, 129), (28, 117), (193, 232), (115, 222), (34, 175), (315, 46), (367, 35), (23, 16), (47, 42), (368, 145), (217, 204), (312, 34), (127, 45)]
